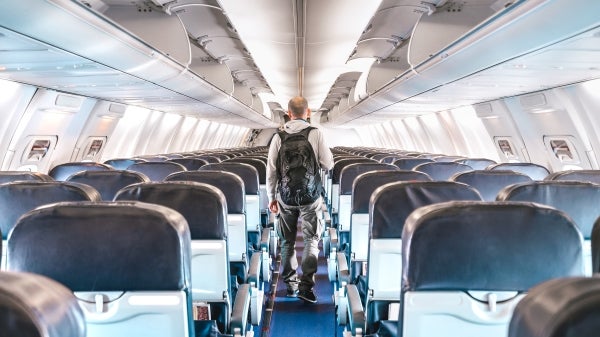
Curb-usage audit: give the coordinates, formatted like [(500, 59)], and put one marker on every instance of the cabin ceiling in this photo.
[(355, 61)]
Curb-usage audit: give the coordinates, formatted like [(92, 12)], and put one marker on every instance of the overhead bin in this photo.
[(99, 58)]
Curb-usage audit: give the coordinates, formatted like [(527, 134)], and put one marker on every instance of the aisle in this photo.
[(293, 316)]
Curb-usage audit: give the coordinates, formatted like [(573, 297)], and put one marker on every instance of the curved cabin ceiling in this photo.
[(355, 61)]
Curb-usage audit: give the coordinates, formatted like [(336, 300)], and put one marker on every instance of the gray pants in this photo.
[(287, 227)]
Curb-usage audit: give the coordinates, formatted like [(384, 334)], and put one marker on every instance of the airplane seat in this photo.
[(153, 158), (191, 164), (156, 170), (10, 176), (476, 163), (489, 183), (123, 163), (232, 187), (592, 176), (108, 183), (566, 306), (389, 206), (467, 264), (128, 263), (32, 305), (342, 231), (336, 171), (62, 171), (208, 158), (363, 187), (579, 200), (17, 198), (442, 170), (409, 163), (258, 237), (261, 167), (534, 171), (205, 209)]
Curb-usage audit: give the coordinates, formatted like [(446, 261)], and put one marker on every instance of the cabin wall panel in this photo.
[(123, 143), (13, 101), (404, 135), (53, 114), (439, 137), (475, 140)]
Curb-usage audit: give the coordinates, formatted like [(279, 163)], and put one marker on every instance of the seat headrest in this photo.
[(19, 197), (202, 205), (579, 200), (442, 170), (104, 246), (156, 170), (353, 170), (191, 164), (592, 176), (11, 176), (535, 171), (392, 203), (366, 183), (229, 183), (246, 171), (339, 165), (123, 163), (409, 163), (489, 183), (63, 171), (35, 306), (107, 183), (258, 164), (567, 306), (502, 246)]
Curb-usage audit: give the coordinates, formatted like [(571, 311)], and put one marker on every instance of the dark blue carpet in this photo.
[(294, 317)]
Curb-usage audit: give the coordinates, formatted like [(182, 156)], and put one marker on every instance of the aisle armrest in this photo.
[(356, 313), (239, 314)]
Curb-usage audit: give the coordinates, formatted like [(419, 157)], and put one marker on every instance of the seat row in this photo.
[(214, 253)]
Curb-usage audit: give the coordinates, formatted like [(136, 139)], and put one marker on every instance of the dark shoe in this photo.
[(308, 296), (292, 291)]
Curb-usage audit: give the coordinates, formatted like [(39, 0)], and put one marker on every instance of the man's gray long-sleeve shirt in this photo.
[(316, 140)]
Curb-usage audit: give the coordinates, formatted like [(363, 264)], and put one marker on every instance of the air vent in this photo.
[(533, 101), (117, 108), (65, 101)]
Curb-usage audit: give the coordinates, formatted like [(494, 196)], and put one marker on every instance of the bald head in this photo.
[(298, 108)]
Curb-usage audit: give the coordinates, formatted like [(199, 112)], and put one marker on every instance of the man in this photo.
[(288, 214)]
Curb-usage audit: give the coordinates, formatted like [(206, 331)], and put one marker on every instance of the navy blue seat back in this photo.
[(63, 171), (339, 165), (35, 306), (202, 205), (258, 164), (409, 163), (592, 176), (107, 183), (502, 246), (208, 158), (350, 172), (10, 176), (392, 203), (245, 171), (489, 183), (366, 183), (157, 170), (561, 307), (123, 163), (19, 197), (580, 200), (229, 183), (534, 171), (191, 164), (442, 170), (389, 159), (104, 246), (476, 163)]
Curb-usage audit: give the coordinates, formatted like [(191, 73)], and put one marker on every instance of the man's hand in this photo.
[(274, 206)]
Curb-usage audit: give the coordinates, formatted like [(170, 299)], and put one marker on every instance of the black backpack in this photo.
[(298, 169)]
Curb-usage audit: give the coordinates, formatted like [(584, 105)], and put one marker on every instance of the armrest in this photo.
[(254, 269), (239, 314), (265, 236), (342, 266), (356, 313), (333, 237)]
